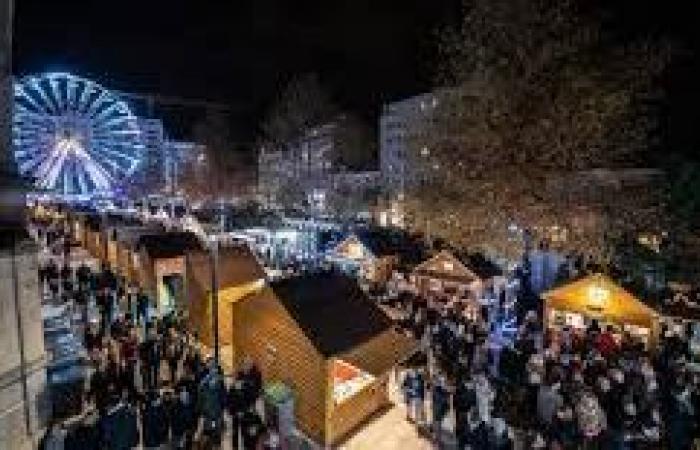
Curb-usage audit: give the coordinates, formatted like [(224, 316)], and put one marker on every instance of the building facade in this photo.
[(164, 159), (308, 174), (400, 125)]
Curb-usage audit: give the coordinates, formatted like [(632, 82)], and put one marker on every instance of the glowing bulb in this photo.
[(598, 295)]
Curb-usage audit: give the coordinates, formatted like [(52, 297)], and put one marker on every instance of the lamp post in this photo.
[(214, 253)]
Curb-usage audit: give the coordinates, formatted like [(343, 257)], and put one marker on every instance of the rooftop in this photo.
[(331, 310)]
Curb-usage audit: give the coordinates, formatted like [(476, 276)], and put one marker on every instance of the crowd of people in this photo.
[(558, 389), (596, 388), (149, 385)]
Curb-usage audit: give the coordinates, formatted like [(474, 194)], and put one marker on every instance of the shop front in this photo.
[(597, 298)]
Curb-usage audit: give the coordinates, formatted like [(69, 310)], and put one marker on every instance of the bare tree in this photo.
[(302, 105), (536, 90)]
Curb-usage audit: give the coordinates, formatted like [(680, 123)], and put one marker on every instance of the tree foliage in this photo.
[(536, 90), (302, 105)]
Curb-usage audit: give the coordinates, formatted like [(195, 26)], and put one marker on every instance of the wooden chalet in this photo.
[(324, 338), (111, 227), (160, 265), (94, 238), (597, 297), (373, 254), (239, 274), (127, 257), (445, 274)]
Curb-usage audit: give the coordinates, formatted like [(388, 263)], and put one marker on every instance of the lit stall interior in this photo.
[(348, 380)]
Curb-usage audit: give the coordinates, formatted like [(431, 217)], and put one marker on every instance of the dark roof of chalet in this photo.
[(331, 310), (116, 220), (168, 245), (681, 309), (482, 267), (93, 222), (388, 241)]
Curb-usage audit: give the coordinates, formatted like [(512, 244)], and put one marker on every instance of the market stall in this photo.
[(597, 297), (297, 331)]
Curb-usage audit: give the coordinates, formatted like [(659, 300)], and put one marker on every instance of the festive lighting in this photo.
[(598, 295), (72, 136)]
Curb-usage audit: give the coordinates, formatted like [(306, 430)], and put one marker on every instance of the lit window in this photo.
[(448, 266)]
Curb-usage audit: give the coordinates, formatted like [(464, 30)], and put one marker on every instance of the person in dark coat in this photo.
[(183, 418), (440, 404), (119, 428), (154, 423), (173, 354), (210, 398), (54, 438), (236, 405), (85, 434), (252, 428), (142, 303), (151, 353), (498, 437), (681, 417), (83, 276)]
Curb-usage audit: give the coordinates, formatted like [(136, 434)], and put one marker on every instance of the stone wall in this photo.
[(23, 399)]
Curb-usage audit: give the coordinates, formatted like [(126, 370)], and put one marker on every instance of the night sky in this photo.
[(241, 52), (236, 52)]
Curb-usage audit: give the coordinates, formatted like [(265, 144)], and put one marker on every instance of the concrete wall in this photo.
[(13, 387)]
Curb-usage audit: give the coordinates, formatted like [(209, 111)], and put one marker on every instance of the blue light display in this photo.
[(72, 136)]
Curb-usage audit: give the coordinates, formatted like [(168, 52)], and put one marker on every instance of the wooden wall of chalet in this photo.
[(346, 417), (125, 265), (111, 252), (263, 330), (197, 294), (238, 271), (146, 275), (381, 268), (94, 244)]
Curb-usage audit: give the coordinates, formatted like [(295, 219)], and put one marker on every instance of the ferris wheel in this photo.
[(72, 136)]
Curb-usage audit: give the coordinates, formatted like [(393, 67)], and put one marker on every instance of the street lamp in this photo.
[(214, 254)]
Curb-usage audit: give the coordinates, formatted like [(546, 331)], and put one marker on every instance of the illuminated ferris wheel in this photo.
[(72, 136)]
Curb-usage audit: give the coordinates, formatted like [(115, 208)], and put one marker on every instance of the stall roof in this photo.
[(237, 267), (483, 267), (381, 353), (168, 245), (331, 310), (447, 266), (613, 301), (389, 242), (681, 310)]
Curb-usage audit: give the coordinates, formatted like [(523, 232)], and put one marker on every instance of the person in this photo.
[(549, 400), (236, 405), (119, 427), (83, 276), (605, 342), (564, 431), (173, 354), (54, 438), (484, 397), (154, 423), (85, 434), (142, 304), (498, 437), (417, 397), (150, 359), (251, 429), (183, 418), (681, 416), (211, 393), (440, 405), (271, 439)]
